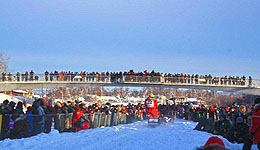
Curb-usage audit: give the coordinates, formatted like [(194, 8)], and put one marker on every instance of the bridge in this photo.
[(41, 81)]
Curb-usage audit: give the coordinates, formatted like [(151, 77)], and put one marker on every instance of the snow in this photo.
[(171, 136), (8, 97)]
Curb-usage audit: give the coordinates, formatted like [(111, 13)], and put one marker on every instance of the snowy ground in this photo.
[(137, 136)]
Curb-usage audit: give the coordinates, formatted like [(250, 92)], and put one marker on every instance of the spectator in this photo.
[(18, 76), (5, 108), (31, 75), (51, 76), (222, 126), (38, 120), (212, 113), (5, 111), (26, 76), (56, 74), (21, 127), (204, 125), (46, 75), (9, 75), (19, 108), (58, 110), (239, 131), (213, 143), (29, 118), (79, 121), (49, 111), (12, 107), (254, 133)]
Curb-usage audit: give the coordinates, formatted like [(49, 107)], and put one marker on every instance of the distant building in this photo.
[(183, 100), (179, 100), (26, 93)]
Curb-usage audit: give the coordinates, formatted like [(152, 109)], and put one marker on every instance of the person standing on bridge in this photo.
[(250, 81), (26, 76), (31, 75), (46, 75), (151, 104), (18, 76)]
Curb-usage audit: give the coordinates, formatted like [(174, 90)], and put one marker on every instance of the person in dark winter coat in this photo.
[(239, 131), (12, 105), (21, 127), (29, 118), (49, 111), (222, 126), (204, 125), (19, 108), (57, 118), (38, 119), (5, 109)]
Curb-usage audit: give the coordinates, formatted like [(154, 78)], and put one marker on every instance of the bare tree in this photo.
[(3, 63)]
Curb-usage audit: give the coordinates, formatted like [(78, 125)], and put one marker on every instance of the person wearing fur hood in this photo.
[(254, 132)]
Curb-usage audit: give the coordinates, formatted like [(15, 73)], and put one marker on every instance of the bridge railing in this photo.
[(191, 81), (254, 83), (130, 78)]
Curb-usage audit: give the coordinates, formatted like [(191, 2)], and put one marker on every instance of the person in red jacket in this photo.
[(151, 104), (212, 113), (79, 121), (254, 132)]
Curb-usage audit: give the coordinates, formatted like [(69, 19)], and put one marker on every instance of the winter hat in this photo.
[(29, 108), (81, 106), (12, 104), (58, 104), (239, 120), (151, 95), (6, 102), (214, 141), (257, 100)]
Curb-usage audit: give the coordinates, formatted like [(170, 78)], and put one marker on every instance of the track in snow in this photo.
[(171, 136)]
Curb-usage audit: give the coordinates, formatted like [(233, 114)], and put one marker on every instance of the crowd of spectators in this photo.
[(128, 76), (232, 121), (20, 121)]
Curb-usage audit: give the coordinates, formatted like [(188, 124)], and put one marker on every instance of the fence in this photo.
[(63, 122)]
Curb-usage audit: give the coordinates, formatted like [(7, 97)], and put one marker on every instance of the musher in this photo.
[(151, 104)]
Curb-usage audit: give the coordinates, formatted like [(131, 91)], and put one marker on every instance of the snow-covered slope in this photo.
[(137, 136)]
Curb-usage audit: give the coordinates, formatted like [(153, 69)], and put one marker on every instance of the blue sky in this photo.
[(190, 36)]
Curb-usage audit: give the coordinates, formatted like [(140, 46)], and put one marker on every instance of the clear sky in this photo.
[(189, 36)]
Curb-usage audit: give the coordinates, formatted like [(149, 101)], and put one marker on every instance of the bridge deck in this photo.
[(9, 86)]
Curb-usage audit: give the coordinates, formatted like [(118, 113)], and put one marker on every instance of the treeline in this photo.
[(210, 97)]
